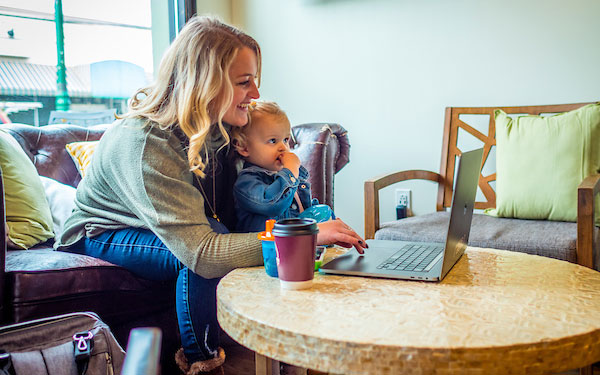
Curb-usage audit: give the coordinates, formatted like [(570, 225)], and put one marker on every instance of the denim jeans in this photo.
[(143, 253)]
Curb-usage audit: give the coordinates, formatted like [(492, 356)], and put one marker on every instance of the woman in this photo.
[(139, 205)]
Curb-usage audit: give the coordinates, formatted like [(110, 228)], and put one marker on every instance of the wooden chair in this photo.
[(455, 124)]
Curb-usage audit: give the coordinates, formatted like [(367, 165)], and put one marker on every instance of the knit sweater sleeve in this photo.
[(145, 176), (173, 209)]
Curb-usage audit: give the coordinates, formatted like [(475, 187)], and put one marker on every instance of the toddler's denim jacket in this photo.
[(261, 194)]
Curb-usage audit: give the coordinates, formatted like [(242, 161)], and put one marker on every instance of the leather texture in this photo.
[(324, 150), (45, 146), (40, 282)]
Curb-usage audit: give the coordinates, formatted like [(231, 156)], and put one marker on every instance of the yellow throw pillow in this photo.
[(27, 212), (81, 153)]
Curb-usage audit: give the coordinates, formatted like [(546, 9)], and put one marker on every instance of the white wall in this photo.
[(220, 8), (386, 70)]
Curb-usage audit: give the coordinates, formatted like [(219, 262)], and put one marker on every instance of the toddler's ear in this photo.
[(242, 150)]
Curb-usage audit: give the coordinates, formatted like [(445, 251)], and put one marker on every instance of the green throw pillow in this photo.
[(27, 211), (540, 161)]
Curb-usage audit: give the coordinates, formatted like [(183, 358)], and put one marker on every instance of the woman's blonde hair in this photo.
[(193, 89), (256, 111)]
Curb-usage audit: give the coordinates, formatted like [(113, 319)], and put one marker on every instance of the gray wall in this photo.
[(386, 69)]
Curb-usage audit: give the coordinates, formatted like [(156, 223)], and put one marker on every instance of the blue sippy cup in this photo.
[(268, 249), (319, 212)]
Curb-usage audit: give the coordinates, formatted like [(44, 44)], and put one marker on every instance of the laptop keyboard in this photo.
[(412, 257)]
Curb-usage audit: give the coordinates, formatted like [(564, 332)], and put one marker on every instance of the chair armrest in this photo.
[(373, 186), (323, 149), (143, 352), (586, 193)]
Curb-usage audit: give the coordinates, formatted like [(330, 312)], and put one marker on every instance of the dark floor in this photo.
[(239, 360)]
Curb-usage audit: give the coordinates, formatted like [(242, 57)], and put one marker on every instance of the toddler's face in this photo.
[(266, 141)]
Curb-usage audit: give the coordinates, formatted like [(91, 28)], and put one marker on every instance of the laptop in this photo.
[(419, 260)]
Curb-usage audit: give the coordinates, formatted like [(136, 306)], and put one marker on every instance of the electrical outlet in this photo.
[(403, 197)]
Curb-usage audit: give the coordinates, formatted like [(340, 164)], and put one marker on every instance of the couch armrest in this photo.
[(324, 150), (586, 193), (373, 186)]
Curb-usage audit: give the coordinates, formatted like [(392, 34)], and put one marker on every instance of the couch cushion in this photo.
[(552, 239), (44, 282)]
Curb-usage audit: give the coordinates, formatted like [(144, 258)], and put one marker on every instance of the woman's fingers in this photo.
[(339, 233), (347, 241), (354, 238)]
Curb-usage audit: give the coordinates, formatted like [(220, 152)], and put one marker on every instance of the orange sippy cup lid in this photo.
[(267, 235)]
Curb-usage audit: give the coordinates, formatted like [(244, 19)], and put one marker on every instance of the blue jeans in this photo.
[(143, 253)]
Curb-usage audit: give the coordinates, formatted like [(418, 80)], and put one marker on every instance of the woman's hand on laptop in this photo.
[(339, 233)]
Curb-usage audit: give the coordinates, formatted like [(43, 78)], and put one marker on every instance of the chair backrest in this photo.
[(475, 127), (82, 118), (323, 149)]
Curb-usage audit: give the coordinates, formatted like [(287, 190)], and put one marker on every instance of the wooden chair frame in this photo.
[(587, 190)]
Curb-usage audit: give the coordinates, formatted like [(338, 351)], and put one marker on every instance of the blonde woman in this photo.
[(137, 206)]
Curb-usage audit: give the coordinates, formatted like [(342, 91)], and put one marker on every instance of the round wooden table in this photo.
[(496, 312)]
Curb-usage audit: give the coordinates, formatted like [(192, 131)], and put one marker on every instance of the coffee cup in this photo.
[(295, 246)]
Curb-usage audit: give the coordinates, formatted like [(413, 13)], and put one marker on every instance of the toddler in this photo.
[(272, 184)]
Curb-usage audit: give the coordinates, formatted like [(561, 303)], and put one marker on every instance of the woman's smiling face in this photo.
[(242, 73)]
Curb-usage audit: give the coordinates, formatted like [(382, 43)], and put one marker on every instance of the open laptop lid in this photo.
[(463, 202)]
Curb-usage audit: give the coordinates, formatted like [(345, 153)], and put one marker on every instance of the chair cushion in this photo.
[(541, 161), (44, 282), (552, 239)]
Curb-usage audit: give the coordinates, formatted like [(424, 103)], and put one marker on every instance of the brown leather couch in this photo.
[(41, 282)]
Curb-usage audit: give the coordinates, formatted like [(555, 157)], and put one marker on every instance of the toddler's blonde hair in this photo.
[(256, 112)]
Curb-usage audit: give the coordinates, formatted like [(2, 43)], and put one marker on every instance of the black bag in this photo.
[(69, 344)]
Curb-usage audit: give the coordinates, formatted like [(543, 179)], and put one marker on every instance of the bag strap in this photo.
[(6, 366), (83, 343)]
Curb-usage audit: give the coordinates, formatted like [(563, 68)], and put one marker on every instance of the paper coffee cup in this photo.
[(295, 245)]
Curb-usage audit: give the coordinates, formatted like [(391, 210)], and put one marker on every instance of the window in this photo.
[(107, 54)]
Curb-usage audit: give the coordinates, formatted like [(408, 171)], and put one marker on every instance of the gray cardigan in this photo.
[(139, 177)]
